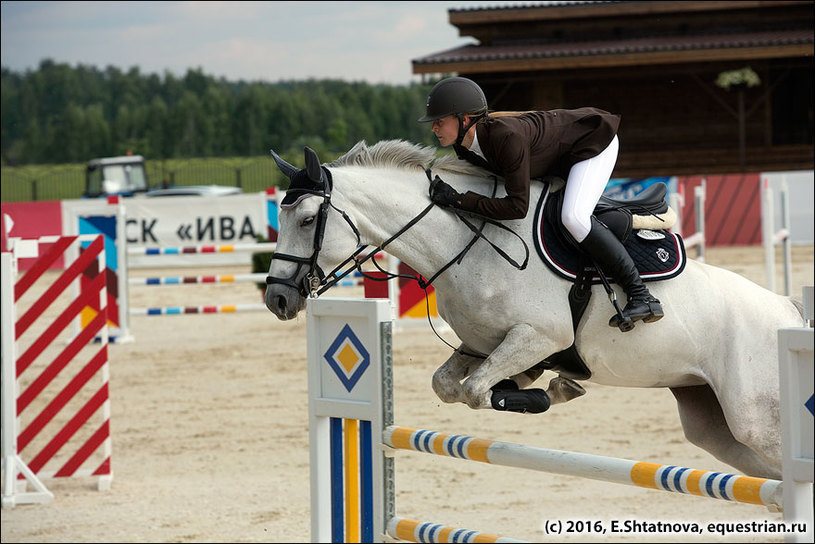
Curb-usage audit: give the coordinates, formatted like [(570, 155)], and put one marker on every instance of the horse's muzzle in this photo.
[(284, 301)]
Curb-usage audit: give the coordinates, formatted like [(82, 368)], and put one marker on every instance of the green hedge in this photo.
[(67, 181)]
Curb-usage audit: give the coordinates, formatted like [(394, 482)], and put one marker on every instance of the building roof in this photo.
[(563, 35), (580, 54), (552, 11)]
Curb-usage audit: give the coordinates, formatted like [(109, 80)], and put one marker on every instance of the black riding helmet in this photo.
[(455, 96)]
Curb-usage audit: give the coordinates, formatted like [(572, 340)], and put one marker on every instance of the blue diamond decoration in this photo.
[(810, 404), (347, 338), (98, 224)]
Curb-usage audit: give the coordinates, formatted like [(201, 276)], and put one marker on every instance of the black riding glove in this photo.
[(444, 195)]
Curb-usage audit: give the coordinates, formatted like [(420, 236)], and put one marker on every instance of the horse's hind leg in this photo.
[(705, 426)]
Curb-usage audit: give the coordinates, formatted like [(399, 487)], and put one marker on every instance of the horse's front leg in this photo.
[(447, 379), (520, 350)]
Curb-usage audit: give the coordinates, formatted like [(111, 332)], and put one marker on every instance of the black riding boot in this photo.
[(608, 252)]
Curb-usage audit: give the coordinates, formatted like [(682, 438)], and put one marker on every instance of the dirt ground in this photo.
[(209, 426)]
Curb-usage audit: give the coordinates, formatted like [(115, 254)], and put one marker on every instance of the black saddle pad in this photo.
[(658, 254)]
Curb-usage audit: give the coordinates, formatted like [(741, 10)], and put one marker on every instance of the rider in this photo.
[(578, 145)]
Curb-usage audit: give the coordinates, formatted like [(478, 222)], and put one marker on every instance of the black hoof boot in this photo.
[(505, 385), (531, 401), (648, 309)]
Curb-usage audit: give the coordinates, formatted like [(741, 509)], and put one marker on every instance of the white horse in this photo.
[(716, 347)]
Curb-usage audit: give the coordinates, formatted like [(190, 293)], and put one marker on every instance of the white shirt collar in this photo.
[(475, 148)]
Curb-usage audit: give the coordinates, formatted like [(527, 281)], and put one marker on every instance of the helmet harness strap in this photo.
[(462, 130)]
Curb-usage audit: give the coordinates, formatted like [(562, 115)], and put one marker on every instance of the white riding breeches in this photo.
[(584, 187)]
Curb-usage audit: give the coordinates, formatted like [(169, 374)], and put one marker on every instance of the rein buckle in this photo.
[(312, 284)]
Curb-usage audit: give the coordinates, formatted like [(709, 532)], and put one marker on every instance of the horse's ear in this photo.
[(285, 167), (313, 168)]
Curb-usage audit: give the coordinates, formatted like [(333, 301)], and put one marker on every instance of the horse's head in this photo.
[(310, 238)]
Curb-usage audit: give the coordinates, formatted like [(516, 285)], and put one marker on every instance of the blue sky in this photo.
[(251, 41)]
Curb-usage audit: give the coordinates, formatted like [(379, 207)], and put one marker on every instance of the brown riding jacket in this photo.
[(533, 145)]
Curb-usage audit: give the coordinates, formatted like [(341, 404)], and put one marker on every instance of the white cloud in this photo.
[(373, 41)]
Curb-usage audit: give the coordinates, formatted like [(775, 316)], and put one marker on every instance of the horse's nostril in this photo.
[(281, 304)]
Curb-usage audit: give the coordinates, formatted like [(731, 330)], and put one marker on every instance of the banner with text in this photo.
[(187, 221)]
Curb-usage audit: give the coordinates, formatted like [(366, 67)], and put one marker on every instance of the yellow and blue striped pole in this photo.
[(717, 485), (411, 530)]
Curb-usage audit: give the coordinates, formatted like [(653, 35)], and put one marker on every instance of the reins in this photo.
[(338, 273), (341, 272), (478, 232), (315, 283)]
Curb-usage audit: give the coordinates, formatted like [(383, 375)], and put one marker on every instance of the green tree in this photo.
[(249, 121), (98, 133), (157, 130), (58, 112), (186, 119), (216, 130)]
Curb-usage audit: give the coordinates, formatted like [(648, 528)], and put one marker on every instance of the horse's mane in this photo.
[(454, 165), (397, 153), (402, 154)]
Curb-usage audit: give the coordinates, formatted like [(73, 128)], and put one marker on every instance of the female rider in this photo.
[(578, 145)]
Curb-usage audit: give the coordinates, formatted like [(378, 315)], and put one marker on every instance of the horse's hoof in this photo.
[(563, 389), (532, 401)]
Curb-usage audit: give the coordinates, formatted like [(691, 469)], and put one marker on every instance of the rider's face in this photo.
[(446, 130)]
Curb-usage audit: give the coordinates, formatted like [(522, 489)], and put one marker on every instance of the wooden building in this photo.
[(657, 64)]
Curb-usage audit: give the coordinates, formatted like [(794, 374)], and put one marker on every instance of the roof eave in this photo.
[(593, 10), (612, 60)]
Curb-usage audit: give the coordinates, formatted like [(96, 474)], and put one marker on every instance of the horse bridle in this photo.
[(315, 282), (314, 278)]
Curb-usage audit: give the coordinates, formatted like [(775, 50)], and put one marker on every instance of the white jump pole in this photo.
[(697, 239), (785, 233), (772, 238), (699, 193)]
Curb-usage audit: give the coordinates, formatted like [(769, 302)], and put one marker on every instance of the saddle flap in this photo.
[(658, 254)]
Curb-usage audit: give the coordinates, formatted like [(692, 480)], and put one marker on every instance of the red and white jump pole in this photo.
[(49, 396)]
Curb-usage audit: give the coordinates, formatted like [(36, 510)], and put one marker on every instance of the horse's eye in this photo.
[(307, 221)]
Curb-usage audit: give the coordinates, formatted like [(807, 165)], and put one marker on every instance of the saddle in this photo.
[(640, 223)]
